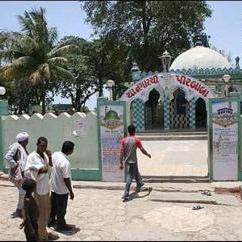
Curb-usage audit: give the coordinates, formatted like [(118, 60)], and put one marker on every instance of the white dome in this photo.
[(200, 57)]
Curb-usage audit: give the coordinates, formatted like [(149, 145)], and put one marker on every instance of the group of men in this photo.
[(31, 172), (51, 174)]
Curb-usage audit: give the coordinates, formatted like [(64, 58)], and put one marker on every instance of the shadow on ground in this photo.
[(135, 195)]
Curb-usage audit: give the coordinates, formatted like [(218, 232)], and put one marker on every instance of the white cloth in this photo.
[(9, 156), (61, 169), (22, 136), (34, 163)]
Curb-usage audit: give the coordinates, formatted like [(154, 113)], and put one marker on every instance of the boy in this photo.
[(128, 155), (30, 211)]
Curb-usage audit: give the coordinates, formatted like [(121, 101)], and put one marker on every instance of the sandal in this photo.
[(197, 207)]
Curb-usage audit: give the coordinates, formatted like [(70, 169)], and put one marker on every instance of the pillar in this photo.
[(192, 113), (138, 114), (166, 107)]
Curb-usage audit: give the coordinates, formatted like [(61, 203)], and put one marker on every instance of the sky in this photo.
[(224, 27)]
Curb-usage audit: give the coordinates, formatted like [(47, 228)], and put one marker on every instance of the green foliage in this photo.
[(84, 84), (147, 28), (33, 56)]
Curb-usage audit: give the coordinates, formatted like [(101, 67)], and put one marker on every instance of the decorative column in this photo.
[(192, 113), (166, 111), (138, 114)]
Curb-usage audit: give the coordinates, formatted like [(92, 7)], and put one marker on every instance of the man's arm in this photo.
[(68, 185), (140, 146), (121, 155), (48, 153), (9, 156), (145, 152), (44, 169)]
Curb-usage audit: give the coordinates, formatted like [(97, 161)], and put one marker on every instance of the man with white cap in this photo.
[(16, 156)]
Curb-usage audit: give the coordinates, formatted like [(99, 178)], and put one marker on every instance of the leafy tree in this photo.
[(85, 83), (34, 57), (147, 27)]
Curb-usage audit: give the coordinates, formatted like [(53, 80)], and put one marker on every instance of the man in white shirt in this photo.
[(60, 183), (37, 168), (16, 157)]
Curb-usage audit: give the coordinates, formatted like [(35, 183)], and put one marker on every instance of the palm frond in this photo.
[(52, 36), (24, 60), (58, 73), (26, 23), (64, 50), (57, 61), (13, 72)]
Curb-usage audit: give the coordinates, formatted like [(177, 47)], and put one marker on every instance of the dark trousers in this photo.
[(58, 208), (132, 172), (31, 234)]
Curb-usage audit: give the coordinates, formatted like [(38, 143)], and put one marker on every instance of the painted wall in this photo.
[(57, 129)]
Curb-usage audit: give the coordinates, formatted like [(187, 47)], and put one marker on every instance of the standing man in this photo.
[(60, 183), (37, 168), (128, 155), (16, 156)]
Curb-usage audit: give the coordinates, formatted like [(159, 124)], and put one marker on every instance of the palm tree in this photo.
[(35, 56)]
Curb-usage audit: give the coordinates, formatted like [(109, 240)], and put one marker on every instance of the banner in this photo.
[(225, 140), (167, 81), (111, 132)]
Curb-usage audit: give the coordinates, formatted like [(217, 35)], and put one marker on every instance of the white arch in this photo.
[(169, 82)]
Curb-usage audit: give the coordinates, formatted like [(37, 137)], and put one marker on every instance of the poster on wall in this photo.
[(80, 127), (111, 133), (225, 140)]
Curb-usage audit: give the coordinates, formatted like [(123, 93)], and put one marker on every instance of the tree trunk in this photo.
[(43, 97)]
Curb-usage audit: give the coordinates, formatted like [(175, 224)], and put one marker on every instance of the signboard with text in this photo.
[(111, 124), (224, 138)]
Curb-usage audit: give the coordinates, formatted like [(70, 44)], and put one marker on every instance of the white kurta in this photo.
[(61, 169), (34, 163)]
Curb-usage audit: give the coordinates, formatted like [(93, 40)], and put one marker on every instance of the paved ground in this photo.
[(174, 158), (101, 215)]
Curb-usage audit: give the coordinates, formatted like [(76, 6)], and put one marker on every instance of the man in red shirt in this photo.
[(128, 156)]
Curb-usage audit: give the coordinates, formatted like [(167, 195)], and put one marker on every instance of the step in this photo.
[(170, 133), (176, 179), (172, 137)]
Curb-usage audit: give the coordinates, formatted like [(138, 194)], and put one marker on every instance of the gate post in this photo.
[(3, 111), (224, 139)]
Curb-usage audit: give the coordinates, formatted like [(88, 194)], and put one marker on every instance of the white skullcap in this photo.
[(22, 136)]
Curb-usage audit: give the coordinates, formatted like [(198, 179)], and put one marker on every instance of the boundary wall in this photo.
[(79, 128)]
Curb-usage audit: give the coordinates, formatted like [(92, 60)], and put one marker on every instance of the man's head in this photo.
[(22, 138), (29, 185), (67, 147), (42, 143), (131, 129)]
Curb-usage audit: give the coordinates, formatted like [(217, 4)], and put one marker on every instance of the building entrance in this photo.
[(179, 106), (201, 114), (154, 111)]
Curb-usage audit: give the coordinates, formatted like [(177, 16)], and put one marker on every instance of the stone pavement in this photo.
[(99, 213)]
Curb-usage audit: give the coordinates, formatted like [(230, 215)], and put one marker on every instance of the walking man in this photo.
[(16, 156), (128, 155), (61, 187), (37, 168)]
